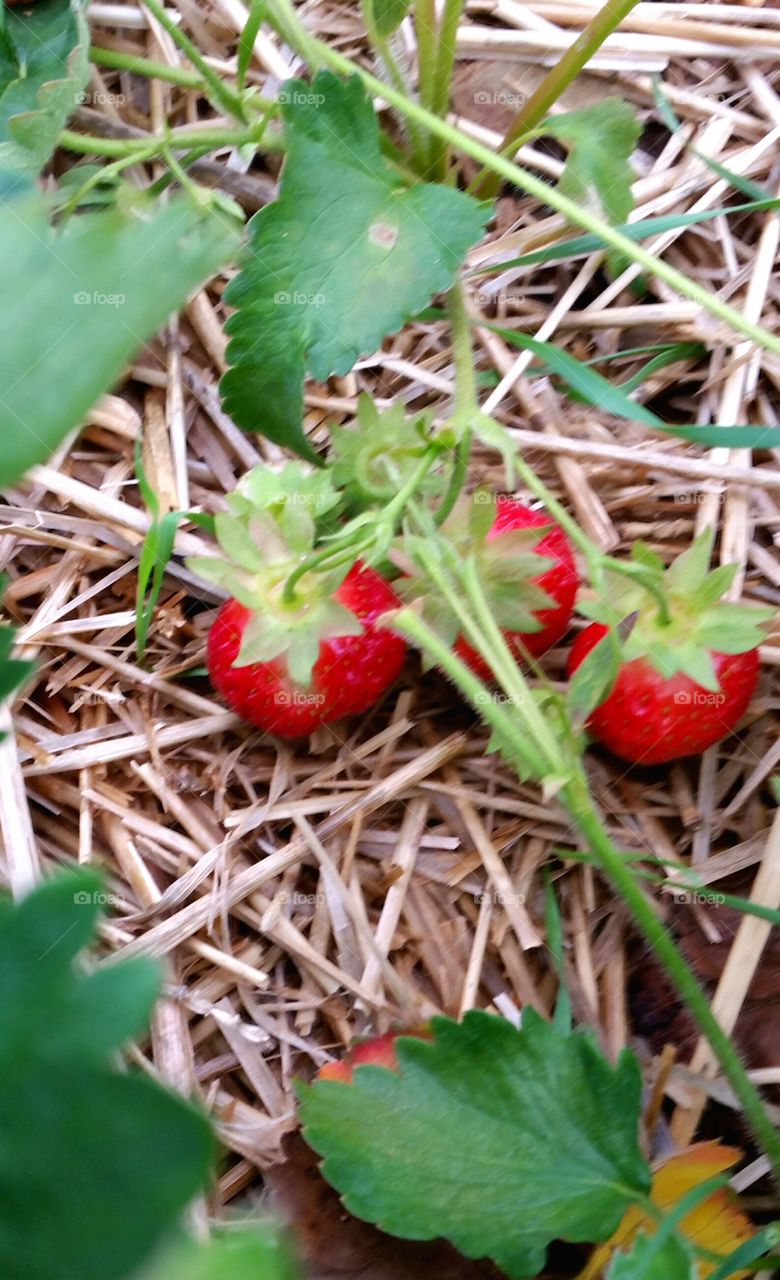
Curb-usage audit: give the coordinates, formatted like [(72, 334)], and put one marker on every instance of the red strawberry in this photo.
[(378, 1051), (289, 655), (505, 589), (689, 666), (649, 718)]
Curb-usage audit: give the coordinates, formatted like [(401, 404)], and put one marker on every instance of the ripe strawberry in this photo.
[(289, 666), (516, 592), (689, 666), (378, 1051)]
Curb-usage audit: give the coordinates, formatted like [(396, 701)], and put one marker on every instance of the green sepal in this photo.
[(269, 529), (678, 621), (506, 565), (374, 457)]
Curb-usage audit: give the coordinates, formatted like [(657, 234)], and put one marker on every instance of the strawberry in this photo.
[(377, 1051), (291, 664), (526, 568), (538, 629), (688, 668)]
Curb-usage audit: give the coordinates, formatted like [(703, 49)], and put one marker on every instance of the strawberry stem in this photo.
[(578, 801)]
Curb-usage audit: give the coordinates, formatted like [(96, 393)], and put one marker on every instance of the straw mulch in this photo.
[(390, 869)]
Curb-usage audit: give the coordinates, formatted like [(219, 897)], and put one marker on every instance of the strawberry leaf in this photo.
[(85, 288), (12, 670), (593, 679), (342, 258), (655, 1257), (535, 1123), (244, 1253), (386, 16), (601, 139), (87, 1188), (43, 71)]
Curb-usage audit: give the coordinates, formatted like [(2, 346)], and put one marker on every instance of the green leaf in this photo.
[(657, 1257), (497, 1139), (246, 44), (749, 1251), (12, 670), (580, 246), (44, 68), (100, 286), (598, 390), (593, 679), (87, 1186), (342, 258), (387, 15), (601, 139), (251, 1252)]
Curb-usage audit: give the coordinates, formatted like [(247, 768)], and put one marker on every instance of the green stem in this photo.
[(104, 174), (594, 557), (486, 635), (442, 79), (288, 21), (208, 139), (579, 804), (398, 81), (557, 80), (409, 623), (221, 95), (466, 400), (120, 61), (427, 32), (457, 478), (339, 552), (482, 632)]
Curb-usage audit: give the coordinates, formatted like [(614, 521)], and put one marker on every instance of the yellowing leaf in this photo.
[(717, 1224)]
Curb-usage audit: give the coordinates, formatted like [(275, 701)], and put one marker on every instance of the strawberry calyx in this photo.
[(269, 529), (675, 617), (507, 563), (372, 462)]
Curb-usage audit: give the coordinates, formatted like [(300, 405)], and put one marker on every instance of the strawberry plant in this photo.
[(372, 542)]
